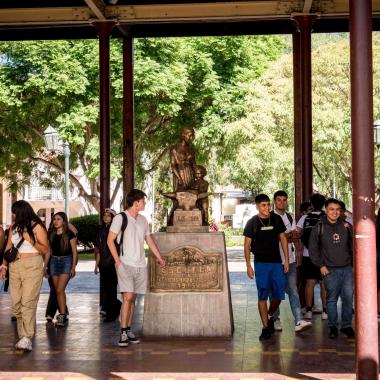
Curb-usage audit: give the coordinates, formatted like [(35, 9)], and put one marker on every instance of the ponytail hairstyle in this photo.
[(25, 219), (52, 232)]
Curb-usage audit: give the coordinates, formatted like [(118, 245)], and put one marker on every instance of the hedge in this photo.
[(87, 227)]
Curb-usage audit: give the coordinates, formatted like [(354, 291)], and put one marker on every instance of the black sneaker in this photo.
[(61, 320), (49, 319), (349, 331), (271, 325), (132, 338), (123, 342), (265, 334), (333, 333)]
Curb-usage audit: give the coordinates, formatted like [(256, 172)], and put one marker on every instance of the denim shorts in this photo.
[(60, 265), (270, 277)]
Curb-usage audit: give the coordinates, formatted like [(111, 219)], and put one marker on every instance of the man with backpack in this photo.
[(280, 199), (131, 265), (263, 233), (309, 272), (330, 249)]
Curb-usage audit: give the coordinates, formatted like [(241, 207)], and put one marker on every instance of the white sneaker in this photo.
[(302, 326), (324, 316), (316, 310), (24, 344), (123, 342), (277, 325), (308, 315)]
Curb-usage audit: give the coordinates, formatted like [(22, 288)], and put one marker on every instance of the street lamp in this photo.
[(376, 127), (53, 143)]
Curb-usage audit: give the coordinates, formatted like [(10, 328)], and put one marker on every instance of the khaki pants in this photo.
[(25, 280)]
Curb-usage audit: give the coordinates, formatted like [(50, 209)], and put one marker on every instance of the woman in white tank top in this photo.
[(26, 272)]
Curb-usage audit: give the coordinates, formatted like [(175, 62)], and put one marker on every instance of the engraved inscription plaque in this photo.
[(187, 218), (188, 269)]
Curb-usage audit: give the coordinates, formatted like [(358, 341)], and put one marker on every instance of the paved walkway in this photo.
[(87, 348)]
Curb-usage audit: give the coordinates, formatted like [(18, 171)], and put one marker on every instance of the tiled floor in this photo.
[(87, 347)]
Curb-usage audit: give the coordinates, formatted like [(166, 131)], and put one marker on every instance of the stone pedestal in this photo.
[(191, 296)]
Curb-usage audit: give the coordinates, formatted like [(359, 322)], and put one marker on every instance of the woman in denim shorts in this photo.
[(64, 257)]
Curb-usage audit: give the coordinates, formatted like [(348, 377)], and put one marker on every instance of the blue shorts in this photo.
[(60, 265), (270, 278)]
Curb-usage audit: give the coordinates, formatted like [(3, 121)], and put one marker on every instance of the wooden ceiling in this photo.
[(55, 19)]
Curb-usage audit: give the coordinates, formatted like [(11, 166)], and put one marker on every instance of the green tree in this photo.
[(199, 82), (261, 144)]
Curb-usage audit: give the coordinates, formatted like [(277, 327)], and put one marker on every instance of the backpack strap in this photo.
[(124, 225), (289, 217)]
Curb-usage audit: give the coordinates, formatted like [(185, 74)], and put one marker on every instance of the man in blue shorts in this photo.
[(263, 233)]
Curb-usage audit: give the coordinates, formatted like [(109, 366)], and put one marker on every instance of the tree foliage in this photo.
[(261, 144), (199, 82)]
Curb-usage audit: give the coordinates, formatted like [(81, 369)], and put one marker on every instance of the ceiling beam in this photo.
[(307, 6), (171, 13), (97, 7)]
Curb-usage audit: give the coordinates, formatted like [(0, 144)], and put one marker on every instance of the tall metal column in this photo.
[(297, 91), (128, 118), (363, 189), (104, 31), (305, 23)]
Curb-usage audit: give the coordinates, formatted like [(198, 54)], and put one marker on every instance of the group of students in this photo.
[(288, 258), (120, 259), (293, 257), (39, 252)]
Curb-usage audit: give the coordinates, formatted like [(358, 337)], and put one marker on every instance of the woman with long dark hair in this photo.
[(26, 271), (64, 257)]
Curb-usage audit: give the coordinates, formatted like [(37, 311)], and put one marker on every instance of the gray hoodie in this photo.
[(334, 247)]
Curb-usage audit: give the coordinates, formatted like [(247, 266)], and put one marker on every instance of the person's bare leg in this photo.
[(130, 320), (263, 310), (126, 309), (309, 292), (60, 283), (274, 305)]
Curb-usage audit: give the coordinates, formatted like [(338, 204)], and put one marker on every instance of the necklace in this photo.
[(262, 223)]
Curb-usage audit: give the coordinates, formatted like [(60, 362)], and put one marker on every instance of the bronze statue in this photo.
[(182, 161), (200, 185), (189, 186)]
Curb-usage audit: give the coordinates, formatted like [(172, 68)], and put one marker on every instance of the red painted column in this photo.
[(128, 118), (297, 94), (363, 189), (304, 23), (104, 31)]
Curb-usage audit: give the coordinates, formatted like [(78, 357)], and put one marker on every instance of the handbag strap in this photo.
[(20, 243)]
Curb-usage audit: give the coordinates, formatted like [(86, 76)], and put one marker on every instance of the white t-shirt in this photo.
[(133, 240), (289, 227), (300, 224)]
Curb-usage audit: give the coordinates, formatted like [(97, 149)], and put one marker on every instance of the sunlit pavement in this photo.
[(87, 347)]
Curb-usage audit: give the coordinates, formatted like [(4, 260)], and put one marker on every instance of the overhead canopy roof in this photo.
[(71, 19)]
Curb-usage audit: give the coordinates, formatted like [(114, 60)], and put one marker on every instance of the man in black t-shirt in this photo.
[(262, 234)]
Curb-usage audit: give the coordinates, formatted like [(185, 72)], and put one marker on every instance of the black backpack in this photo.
[(124, 224), (310, 221)]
